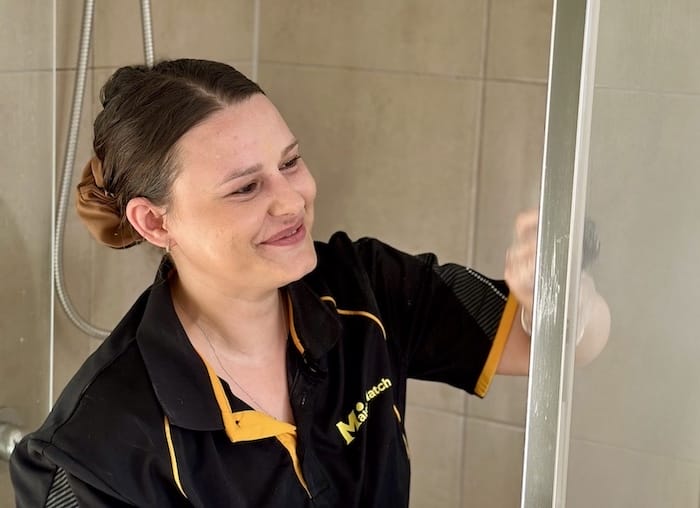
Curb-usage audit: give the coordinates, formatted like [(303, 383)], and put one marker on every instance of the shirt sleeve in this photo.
[(448, 323), (38, 482), (44, 475)]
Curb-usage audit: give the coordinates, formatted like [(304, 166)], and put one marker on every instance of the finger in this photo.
[(522, 248), (522, 252), (520, 263), (520, 272)]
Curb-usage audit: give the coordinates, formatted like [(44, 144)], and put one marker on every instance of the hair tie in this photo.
[(100, 211)]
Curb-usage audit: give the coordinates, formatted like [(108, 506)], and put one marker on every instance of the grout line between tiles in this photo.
[(638, 451), (649, 91), (497, 423), (435, 409), (25, 71), (479, 145), (371, 69), (400, 72), (472, 220), (602, 444)]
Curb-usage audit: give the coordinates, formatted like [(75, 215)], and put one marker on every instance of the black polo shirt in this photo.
[(146, 422)]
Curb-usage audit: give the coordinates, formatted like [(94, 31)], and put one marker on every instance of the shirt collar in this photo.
[(178, 374), (314, 321)]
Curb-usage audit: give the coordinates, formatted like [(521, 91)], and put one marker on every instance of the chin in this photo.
[(295, 267), (312, 263), (307, 263)]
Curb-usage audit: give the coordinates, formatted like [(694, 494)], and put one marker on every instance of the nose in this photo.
[(286, 200)]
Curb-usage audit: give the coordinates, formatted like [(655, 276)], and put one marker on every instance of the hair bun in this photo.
[(100, 212), (122, 80)]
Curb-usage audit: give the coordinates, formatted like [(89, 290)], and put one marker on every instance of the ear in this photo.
[(148, 220)]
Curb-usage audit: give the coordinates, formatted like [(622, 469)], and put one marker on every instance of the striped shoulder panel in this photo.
[(60, 493), (479, 295)]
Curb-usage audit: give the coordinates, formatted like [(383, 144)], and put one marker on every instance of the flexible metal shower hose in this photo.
[(69, 158)]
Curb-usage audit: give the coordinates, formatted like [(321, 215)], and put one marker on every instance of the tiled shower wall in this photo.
[(102, 283), (25, 196), (423, 124), (404, 110)]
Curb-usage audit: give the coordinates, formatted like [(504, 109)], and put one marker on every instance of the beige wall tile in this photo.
[(649, 45), (435, 441), (25, 230), (26, 38), (519, 39), (493, 458), (25, 195), (24, 304), (71, 348), (216, 30), (118, 38), (608, 477), (392, 154), (640, 393), (120, 277), (443, 36), (69, 19), (6, 494), (438, 396), (26, 35), (506, 401), (511, 164)]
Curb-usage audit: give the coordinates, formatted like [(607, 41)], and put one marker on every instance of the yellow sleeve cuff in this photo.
[(499, 343)]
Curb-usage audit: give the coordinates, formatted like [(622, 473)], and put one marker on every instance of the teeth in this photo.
[(293, 232)]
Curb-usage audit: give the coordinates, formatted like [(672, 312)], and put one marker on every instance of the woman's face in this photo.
[(243, 203)]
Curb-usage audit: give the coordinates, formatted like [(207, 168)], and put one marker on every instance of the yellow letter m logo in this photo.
[(347, 429)]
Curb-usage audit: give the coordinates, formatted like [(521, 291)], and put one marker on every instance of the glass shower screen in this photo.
[(633, 440)]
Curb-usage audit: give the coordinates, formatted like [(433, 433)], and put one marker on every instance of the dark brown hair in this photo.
[(147, 110)]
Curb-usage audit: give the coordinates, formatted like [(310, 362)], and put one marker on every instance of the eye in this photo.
[(291, 164), (248, 189)]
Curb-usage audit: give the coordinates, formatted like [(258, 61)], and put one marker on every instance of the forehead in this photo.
[(242, 131)]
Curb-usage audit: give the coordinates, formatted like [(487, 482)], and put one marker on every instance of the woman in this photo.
[(261, 368)]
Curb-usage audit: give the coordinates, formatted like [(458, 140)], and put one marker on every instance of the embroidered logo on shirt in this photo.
[(359, 415)]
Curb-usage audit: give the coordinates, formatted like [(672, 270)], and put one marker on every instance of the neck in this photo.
[(242, 337), (248, 327)]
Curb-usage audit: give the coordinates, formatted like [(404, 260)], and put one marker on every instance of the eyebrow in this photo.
[(238, 173)]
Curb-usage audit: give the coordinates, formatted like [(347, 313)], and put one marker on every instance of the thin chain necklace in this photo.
[(221, 364)]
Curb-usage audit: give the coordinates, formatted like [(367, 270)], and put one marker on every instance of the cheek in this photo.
[(309, 190), (242, 226), (222, 228)]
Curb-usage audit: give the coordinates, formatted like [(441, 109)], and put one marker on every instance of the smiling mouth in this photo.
[(287, 236)]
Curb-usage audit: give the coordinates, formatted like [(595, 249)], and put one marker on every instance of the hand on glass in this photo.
[(520, 264), (593, 323)]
